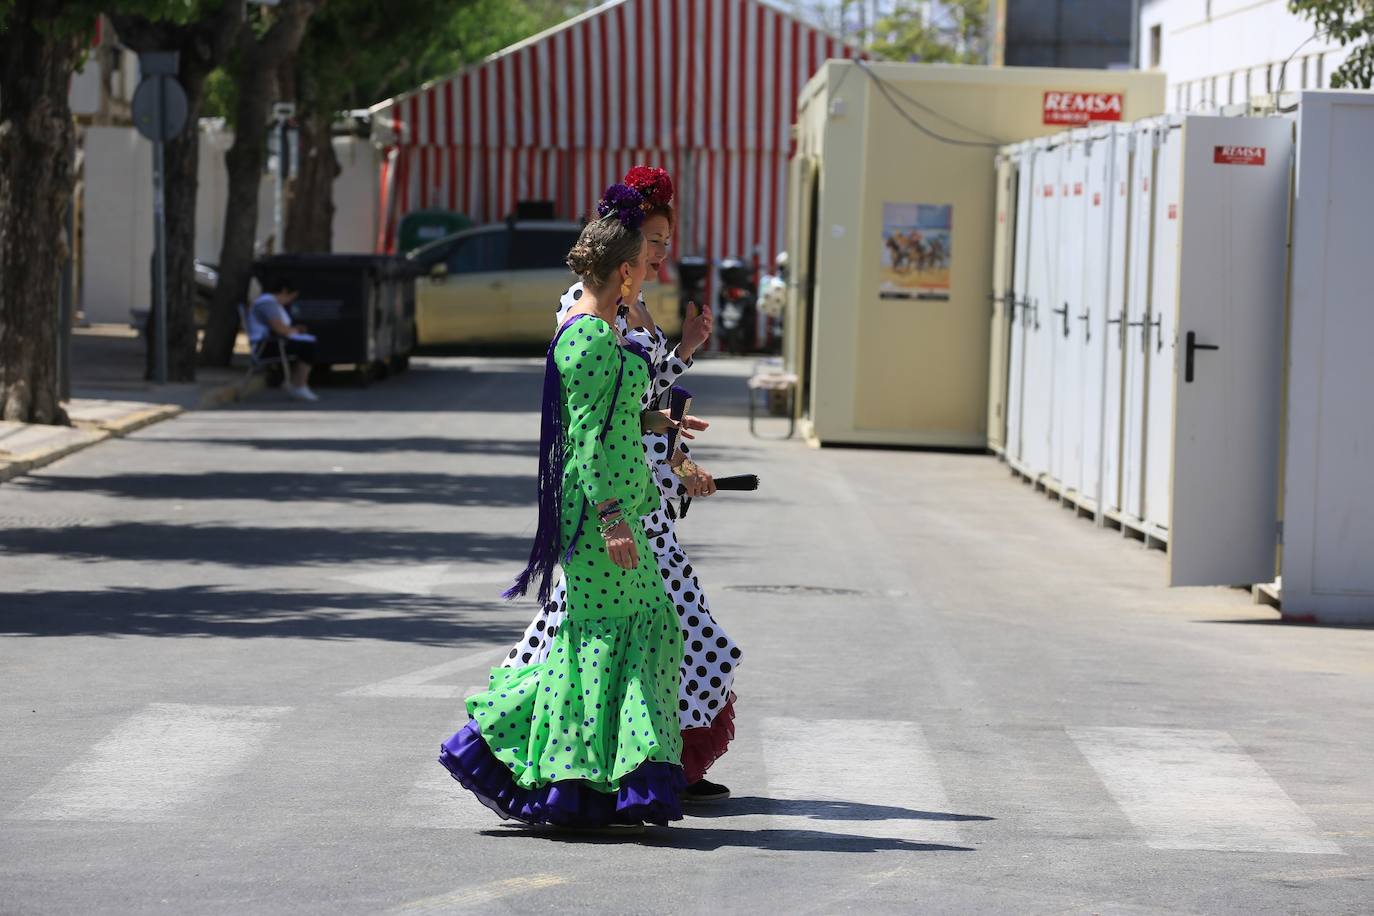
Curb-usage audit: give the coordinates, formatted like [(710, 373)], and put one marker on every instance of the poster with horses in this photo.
[(916, 251)]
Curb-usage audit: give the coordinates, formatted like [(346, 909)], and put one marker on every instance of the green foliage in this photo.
[(1350, 22), (69, 17), (950, 32), (221, 95), (359, 52), (933, 31)]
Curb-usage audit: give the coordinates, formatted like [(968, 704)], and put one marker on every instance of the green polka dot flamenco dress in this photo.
[(590, 736)]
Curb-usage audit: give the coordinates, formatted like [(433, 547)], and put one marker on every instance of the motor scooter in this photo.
[(737, 306)]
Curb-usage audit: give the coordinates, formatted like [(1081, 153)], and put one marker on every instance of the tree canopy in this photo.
[(932, 31), (1350, 22)]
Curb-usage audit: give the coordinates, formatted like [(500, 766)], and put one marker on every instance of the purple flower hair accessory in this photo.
[(624, 203)]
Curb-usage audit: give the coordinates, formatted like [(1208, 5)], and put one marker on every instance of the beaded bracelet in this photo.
[(610, 508), (609, 525)]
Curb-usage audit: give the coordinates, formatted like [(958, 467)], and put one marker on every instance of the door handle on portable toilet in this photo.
[(1120, 334), (1035, 314), (1192, 347), (1144, 343), (1064, 312), (1087, 328), (1159, 337)]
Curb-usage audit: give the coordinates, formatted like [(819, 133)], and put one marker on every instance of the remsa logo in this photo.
[(1238, 155), (1082, 107)]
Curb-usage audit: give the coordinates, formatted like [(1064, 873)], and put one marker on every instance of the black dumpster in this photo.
[(360, 307)]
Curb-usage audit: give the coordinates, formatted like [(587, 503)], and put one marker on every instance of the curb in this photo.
[(122, 426), (97, 432), (22, 464), (229, 393)]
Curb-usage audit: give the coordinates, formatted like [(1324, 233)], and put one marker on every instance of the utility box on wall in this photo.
[(892, 222)]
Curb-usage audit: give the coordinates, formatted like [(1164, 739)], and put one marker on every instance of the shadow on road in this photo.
[(253, 547), (281, 487), (826, 810), (1289, 622), (201, 611), (789, 841), (429, 444), (711, 839)]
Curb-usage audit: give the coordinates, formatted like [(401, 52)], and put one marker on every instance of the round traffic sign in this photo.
[(159, 107)]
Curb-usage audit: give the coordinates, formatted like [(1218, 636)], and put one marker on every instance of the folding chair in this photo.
[(260, 357)]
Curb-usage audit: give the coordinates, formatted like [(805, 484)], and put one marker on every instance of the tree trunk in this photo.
[(36, 154), (182, 162), (256, 62), (202, 46), (310, 201), (244, 162)]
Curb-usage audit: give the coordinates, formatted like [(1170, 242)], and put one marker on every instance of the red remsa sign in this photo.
[(1238, 155), (1082, 107)]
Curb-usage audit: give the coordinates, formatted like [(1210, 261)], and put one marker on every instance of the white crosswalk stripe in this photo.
[(1197, 789), (417, 684), (856, 777), (426, 579), (155, 763)]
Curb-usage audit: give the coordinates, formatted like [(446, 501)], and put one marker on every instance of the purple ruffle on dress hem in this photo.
[(648, 795)]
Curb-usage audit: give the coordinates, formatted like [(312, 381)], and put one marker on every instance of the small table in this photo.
[(769, 382)]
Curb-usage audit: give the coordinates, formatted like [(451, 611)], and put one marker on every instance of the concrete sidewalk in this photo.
[(111, 398)]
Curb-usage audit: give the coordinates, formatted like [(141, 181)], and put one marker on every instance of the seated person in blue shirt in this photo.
[(268, 319)]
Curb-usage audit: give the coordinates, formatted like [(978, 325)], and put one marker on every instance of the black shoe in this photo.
[(704, 792)]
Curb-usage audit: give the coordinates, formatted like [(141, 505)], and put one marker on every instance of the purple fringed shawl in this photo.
[(544, 554)]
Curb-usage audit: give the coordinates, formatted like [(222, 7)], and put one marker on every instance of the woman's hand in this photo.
[(695, 332), (658, 421), (620, 546), (690, 422), (699, 484)]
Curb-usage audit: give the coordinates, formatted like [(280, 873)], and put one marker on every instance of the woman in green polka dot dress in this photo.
[(589, 737)]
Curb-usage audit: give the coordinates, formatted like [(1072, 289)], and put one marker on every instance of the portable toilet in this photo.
[(893, 210)]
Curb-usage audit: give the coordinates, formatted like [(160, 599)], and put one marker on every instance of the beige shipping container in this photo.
[(893, 211)]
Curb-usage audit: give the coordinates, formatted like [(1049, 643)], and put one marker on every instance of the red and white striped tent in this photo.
[(705, 88)]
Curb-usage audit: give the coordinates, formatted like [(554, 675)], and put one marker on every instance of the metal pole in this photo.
[(1135, 34), (160, 245), (278, 243)]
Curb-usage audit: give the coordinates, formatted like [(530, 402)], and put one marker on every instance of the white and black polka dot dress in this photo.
[(710, 656)]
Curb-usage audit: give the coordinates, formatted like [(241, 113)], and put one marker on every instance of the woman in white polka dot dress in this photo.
[(710, 657)]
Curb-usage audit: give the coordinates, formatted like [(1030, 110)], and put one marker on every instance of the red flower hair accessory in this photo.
[(654, 183)]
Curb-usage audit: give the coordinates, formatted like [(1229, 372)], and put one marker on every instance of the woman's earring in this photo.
[(625, 289)]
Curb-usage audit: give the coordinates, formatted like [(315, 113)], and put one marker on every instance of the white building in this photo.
[(1220, 52)]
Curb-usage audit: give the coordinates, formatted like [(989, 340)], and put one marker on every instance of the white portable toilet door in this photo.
[(1067, 436), (1019, 307), (1233, 233), (1162, 330), (1328, 503), (1114, 338), (1089, 324), (1137, 307), (1039, 376), (999, 350)]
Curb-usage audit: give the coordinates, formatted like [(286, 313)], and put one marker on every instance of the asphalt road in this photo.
[(231, 644)]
